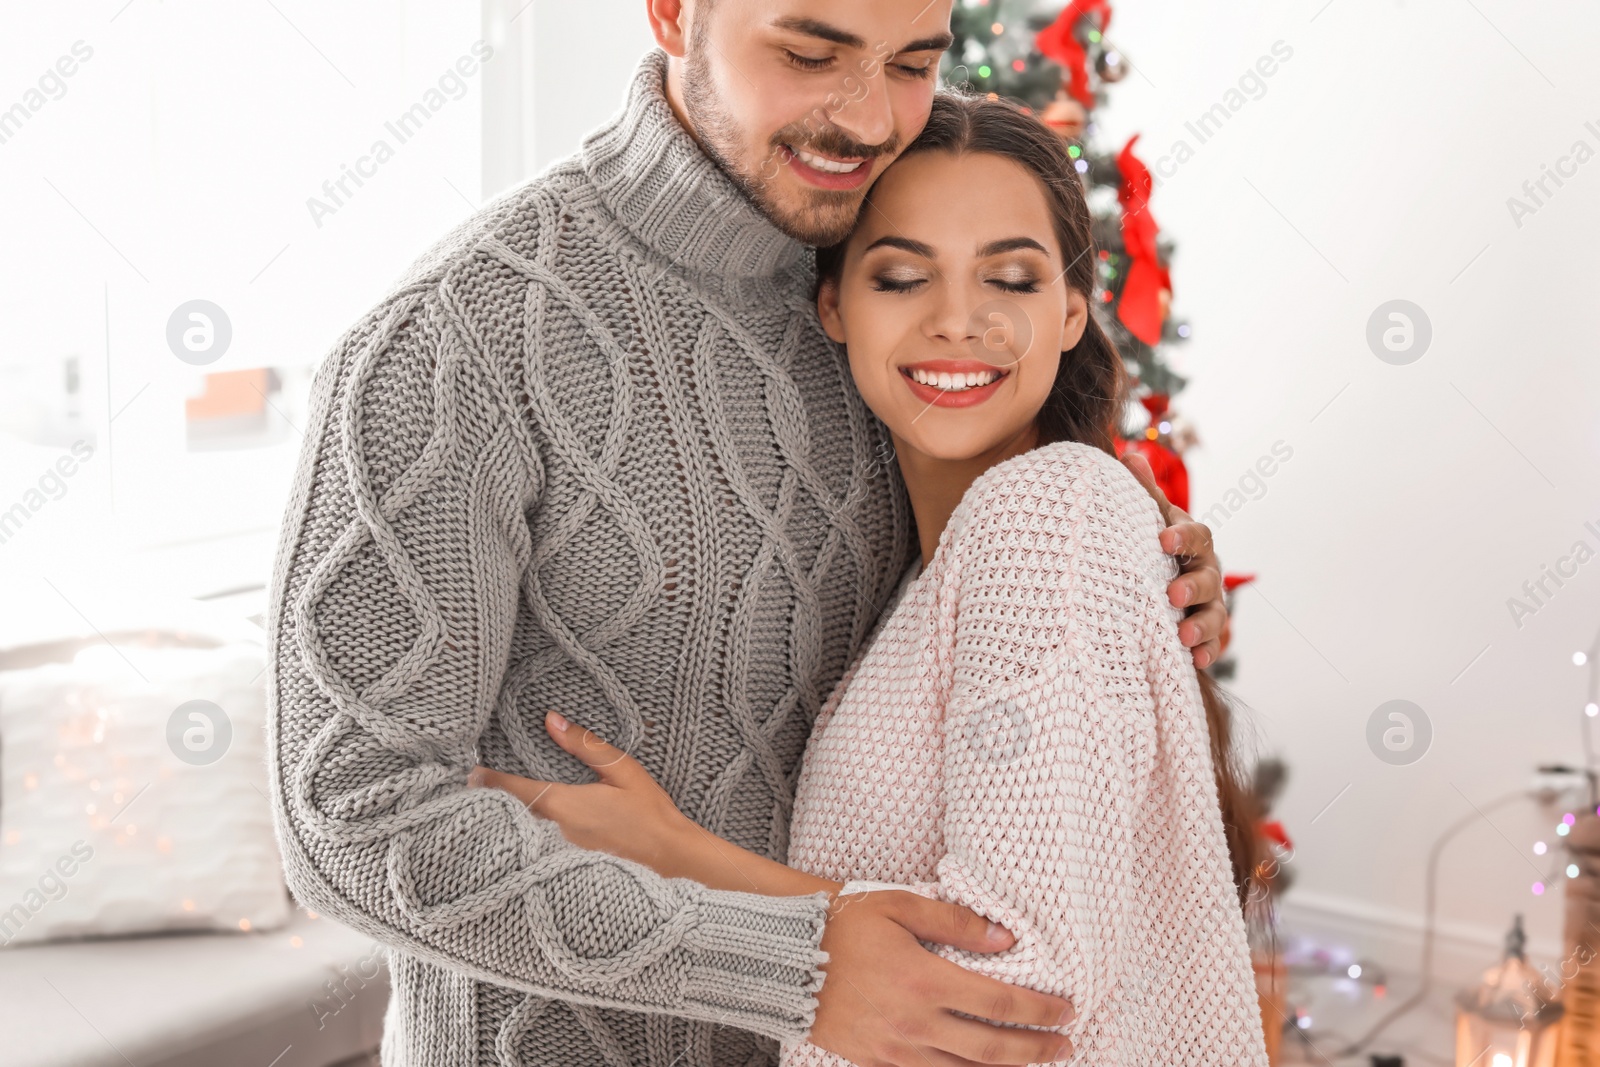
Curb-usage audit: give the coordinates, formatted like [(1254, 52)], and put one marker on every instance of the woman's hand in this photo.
[(626, 813)]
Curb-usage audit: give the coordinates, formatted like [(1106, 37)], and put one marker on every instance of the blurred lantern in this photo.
[(1503, 1022)]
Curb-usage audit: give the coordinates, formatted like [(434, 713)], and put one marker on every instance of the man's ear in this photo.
[(828, 309), (1077, 320), (669, 21)]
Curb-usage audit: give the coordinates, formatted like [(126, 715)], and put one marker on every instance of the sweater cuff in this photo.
[(861, 885), (756, 961)]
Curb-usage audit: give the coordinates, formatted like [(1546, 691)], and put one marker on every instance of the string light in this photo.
[(1572, 870), (1538, 889), (1579, 659), (1540, 848)]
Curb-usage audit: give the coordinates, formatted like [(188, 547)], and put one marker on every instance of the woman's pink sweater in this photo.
[(1024, 735)]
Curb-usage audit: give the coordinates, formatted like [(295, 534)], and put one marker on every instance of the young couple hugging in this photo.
[(883, 741)]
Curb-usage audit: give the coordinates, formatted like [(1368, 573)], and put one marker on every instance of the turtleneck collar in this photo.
[(656, 181)]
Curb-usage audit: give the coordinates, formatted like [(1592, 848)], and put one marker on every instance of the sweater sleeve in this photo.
[(1080, 809), (395, 596)]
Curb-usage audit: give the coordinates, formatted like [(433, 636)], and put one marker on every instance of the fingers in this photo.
[(971, 1040), (964, 990), (949, 924), (1147, 477), (1207, 654), (1201, 585), (605, 758), (1204, 626), (1186, 538), (956, 988), (533, 793)]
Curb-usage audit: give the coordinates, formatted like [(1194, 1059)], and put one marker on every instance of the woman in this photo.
[(1024, 734)]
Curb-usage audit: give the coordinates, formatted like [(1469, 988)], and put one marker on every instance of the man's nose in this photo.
[(866, 113)]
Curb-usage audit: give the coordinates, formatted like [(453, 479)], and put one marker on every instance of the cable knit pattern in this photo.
[(593, 453), (1024, 736)]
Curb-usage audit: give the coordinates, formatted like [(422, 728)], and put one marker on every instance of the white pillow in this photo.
[(133, 790)]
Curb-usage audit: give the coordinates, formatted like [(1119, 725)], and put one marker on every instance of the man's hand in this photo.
[(1198, 587), (889, 1001)]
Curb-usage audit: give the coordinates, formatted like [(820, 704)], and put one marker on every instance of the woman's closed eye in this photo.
[(1015, 283), (898, 281), (1017, 276)]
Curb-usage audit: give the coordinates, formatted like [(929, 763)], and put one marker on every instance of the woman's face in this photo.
[(954, 305)]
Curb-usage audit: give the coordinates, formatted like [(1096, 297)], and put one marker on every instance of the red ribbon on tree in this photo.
[(1171, 473), (1140, 307), (1059, 41)]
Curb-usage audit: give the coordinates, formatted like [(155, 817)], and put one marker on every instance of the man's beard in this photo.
[(830, 214)]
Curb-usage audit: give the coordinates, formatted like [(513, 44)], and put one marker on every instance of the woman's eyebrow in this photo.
[(1011, 244), (916, 248)]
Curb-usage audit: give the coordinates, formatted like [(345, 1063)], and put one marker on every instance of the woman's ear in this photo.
[(669, 21), (1077, 320), (828, 309)]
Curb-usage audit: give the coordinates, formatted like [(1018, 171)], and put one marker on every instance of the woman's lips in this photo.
[(953, 398), (823, 178)]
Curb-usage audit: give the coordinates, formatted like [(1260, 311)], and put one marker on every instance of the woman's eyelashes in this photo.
[(901, 282), (1014, 284), (897, 283)]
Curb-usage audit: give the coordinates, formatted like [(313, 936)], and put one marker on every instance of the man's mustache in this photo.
[(834, 143)]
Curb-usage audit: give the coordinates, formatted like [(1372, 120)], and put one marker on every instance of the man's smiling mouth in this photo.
[(823, 163)]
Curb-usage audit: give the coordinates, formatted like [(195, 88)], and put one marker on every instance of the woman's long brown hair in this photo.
[(1085, 403)]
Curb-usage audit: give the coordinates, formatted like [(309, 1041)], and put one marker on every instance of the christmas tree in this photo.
[(1055, 63)]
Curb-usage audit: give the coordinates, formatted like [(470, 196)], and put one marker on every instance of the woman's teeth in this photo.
[(823, 163), (954, 383)]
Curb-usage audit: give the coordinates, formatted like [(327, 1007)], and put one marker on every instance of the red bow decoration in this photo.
[(1156, 405), (1059, 41), (1140, 308)]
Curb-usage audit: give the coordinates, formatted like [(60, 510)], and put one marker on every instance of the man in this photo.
[(594, 454)]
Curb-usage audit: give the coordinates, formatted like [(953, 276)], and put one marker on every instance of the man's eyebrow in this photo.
[(938, 42), (1011, 244), (905, 244), (818, 28)]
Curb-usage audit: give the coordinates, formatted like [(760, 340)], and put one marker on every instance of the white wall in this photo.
[(584, 55), (178, 162), (1377, 166)]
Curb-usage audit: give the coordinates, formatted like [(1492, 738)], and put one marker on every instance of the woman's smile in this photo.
[(953, 383)]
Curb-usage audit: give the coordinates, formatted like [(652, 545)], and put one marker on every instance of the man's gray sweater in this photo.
[(592, 454)]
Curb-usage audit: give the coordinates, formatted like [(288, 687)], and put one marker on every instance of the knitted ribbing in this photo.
[(592, 454), (1024, 736)]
